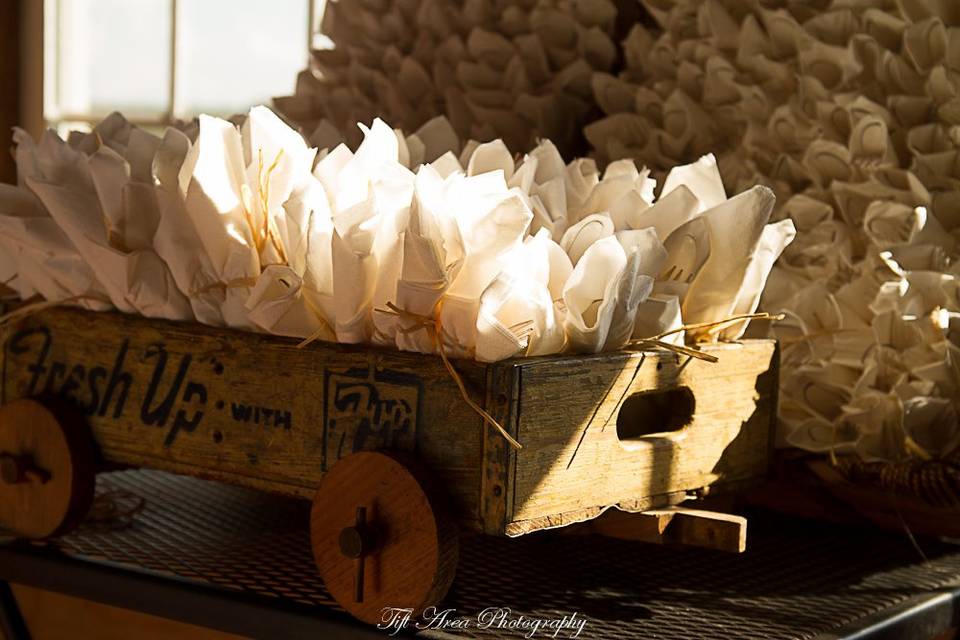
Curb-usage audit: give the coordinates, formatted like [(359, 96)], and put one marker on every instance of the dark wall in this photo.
[(9, 84)]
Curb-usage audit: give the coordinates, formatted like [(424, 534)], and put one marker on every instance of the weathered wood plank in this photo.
[(503, 386), (575, 463), (257, 411), (247, 408), (672, 525)]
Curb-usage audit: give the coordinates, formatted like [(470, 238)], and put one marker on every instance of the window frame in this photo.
[(47, 15)]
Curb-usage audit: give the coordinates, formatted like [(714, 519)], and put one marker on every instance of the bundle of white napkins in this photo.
[(410, 241)]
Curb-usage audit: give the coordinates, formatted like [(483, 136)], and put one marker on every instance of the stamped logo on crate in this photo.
[(232, 403), (153, 386), (368, 409)]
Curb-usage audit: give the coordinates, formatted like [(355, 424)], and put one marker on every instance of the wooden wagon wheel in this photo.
[(46, 469), (380, 537)]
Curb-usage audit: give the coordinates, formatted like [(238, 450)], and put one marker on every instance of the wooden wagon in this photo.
[(383, 443)]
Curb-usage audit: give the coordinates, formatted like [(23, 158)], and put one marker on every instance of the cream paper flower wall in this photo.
[(509, 70), (850, 111), (476, 252)]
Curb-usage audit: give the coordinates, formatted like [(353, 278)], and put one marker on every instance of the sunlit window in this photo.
[(162, 60)]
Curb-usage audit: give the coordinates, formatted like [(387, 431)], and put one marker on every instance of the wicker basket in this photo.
[(922, 497)]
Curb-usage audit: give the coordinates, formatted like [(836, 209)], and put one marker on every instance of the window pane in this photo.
[(233, 54), (112, 55)]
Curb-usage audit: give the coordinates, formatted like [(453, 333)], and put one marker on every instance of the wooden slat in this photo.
[(247, 408), (257, 411), (674, 525), (501, 402), (574, 464)]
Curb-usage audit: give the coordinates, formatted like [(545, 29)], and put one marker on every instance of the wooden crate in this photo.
[(627, 429)]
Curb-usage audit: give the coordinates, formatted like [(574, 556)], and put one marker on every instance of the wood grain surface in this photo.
[(414, 552), (581, 455), (637, 431), (243, 407), (54, 482), (672, 525)]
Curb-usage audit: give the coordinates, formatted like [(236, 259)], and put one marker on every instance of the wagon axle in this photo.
[(15, 469), (356, 543)]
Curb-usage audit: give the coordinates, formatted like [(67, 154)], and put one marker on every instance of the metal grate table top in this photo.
[(797, 579)]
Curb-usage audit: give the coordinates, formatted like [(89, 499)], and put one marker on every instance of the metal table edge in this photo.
[(921, 617), (174, 598)]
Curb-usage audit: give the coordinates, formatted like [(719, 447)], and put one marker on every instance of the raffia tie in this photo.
[(324, 328), (434, 328), (658, 342), (261, 234), (268, 231), (237, 283)]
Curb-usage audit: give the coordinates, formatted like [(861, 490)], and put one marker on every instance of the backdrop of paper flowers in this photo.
[(413, 241), (509, 70), (850, 112)]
